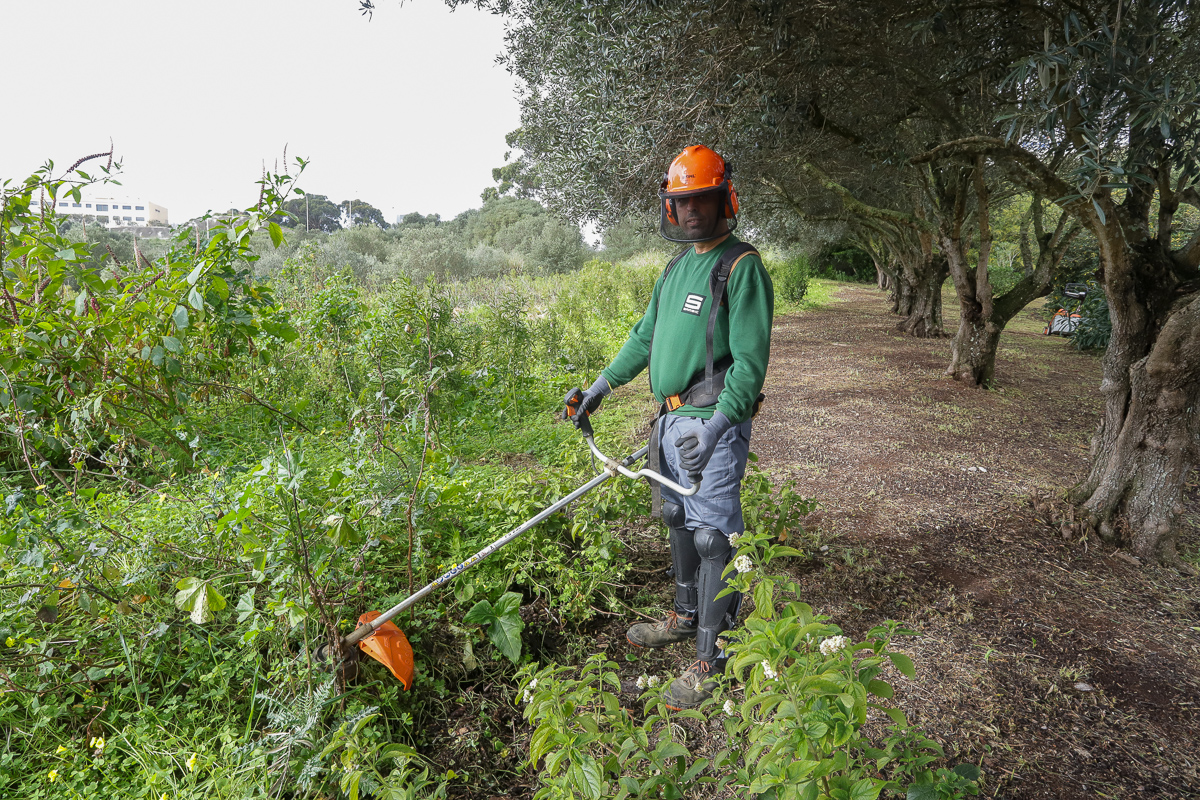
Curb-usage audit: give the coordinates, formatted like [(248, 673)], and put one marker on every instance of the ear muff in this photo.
[(669, 204), (731, 198)]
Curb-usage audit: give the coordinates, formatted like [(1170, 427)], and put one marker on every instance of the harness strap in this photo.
[(716, 282)]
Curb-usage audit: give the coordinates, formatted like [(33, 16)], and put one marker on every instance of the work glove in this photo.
[(592, 398), (696, 447)]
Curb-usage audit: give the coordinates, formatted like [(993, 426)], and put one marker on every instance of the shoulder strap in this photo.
[(716, 282), (650, 347)]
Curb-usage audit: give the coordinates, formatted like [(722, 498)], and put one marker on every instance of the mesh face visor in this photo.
[(672, 217)]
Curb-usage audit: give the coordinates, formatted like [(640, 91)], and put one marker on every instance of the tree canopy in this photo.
[(909, 128)]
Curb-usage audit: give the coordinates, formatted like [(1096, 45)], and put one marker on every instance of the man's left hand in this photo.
[(696, 447)]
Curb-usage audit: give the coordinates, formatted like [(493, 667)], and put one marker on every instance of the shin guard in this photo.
[(716, 614), (684, 560)]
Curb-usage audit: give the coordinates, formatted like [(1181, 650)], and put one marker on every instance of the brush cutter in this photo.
[(380, 638)]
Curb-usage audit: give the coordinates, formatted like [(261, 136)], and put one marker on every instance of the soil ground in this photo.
[(1065, 669)]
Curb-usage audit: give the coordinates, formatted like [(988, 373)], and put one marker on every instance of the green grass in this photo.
[(819, 294)]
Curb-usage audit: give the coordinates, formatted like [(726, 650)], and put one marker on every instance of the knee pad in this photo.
[(672, 514), (712, 545)]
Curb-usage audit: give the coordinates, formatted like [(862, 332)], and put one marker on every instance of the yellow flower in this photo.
[(97, 742), (52, 775), (191, 762), (10, 642), (60, 750)]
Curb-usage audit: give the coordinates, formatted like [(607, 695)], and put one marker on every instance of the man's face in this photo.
[(699, 214)]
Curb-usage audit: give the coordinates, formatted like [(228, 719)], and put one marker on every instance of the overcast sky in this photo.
[(407, 111)]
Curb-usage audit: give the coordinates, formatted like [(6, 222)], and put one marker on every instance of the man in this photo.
[(707, 369)]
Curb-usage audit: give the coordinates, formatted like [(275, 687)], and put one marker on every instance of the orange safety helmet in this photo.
[(697, 170)]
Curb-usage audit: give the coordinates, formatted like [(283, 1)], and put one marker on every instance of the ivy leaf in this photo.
[(199, 598), (341, 531), (245, 606), (503, 621)]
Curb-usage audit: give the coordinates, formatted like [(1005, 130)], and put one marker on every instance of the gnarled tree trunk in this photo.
[(1149, 438), (918, 297), (983, 316)]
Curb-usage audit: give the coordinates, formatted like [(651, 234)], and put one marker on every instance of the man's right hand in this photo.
[(592, 398)]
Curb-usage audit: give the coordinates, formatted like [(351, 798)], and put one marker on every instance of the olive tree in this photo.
[(1119, 90)]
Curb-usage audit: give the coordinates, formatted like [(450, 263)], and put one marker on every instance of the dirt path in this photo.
[(1070, 672)]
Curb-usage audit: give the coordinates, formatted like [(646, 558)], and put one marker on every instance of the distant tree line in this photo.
[(504, 235)]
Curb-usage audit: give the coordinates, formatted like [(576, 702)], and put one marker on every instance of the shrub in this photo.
[(790, 276), (1095, 324)]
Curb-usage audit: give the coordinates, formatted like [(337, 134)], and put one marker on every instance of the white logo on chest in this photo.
[(693, 304)]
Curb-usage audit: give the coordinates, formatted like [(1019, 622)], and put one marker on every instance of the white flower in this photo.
[(533, 684), (734, 538), (528, 696), (768, 672), (728, 707), (833, 644), (743, 564), (642, 682), (652, 680)]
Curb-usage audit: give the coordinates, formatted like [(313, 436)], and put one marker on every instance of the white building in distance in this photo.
[(121, 211)]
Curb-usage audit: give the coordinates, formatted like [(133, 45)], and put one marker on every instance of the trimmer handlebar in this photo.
[(576, 414)]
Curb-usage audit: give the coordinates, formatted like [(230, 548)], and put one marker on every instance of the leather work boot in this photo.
[(668, 630), (694, 686)]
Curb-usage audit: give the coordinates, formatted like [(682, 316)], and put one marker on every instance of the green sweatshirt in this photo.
[(677, 317)]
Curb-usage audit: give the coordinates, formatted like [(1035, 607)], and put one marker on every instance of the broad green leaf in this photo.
[(172, 344), (904, 664), (335, 478), (865, 789), (509, 603), (199, 598), (480, 614), (880, 688), (669, 749), (245, 606), (344, 534), (505, 633), (276, 233), (195, 300), (194, 275), (180, 317), (922, 790), (968, 771), (81, 302)]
